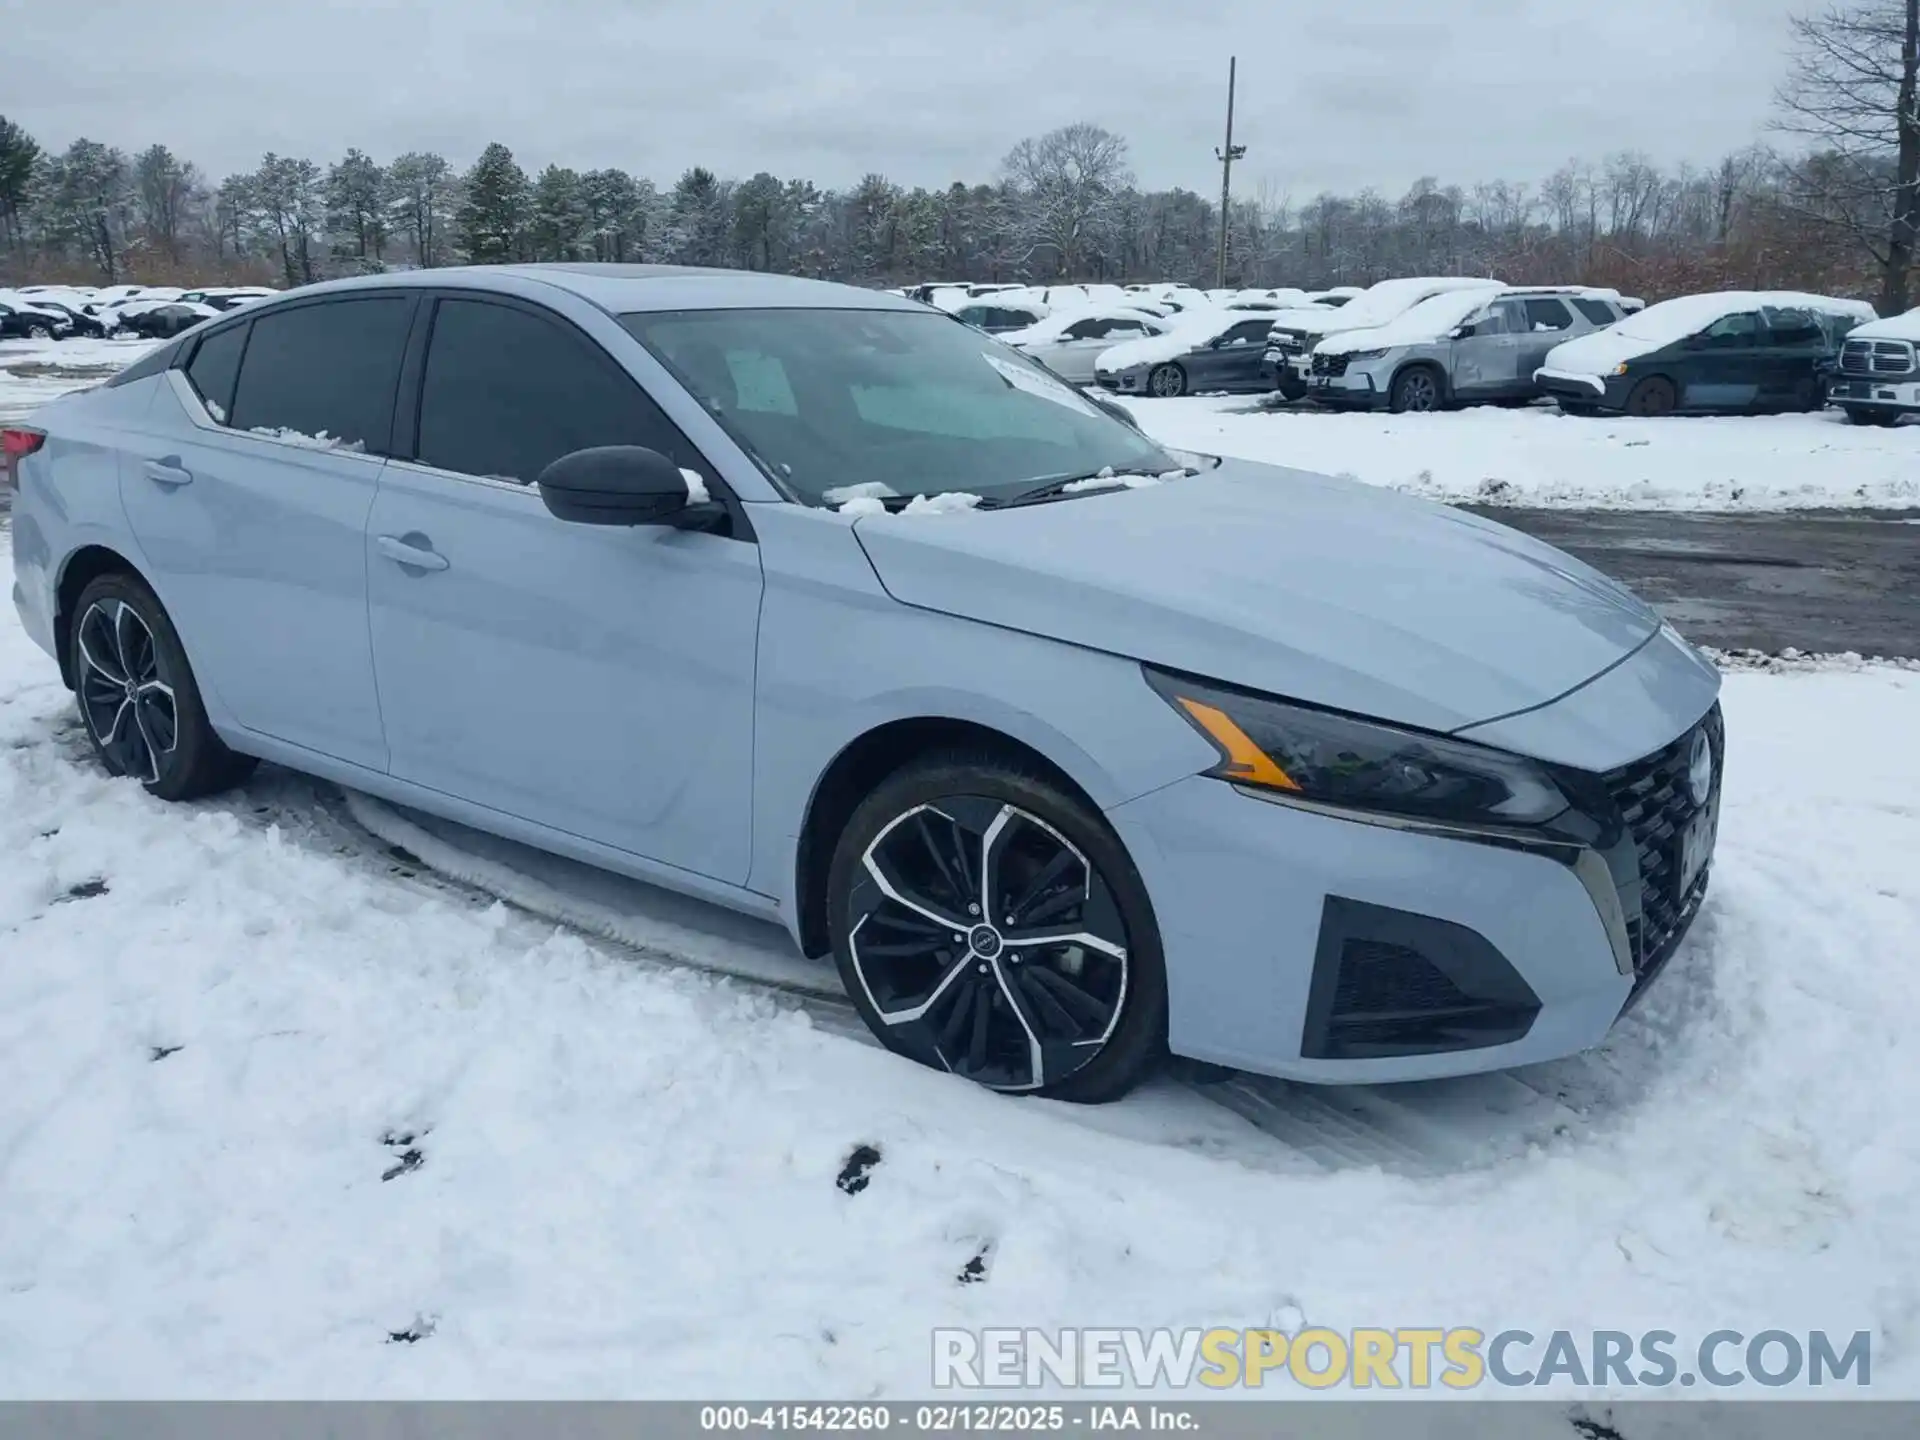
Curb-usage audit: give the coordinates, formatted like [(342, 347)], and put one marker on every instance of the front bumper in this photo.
[(1360, 386), (1602, 392), (1865, 392), (1124, 382), (1329, 948)]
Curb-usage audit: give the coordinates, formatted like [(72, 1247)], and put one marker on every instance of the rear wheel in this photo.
[(1167, 381), (1416, 390), (137, 694), (39, 332), (989, 924), (1654, 395)]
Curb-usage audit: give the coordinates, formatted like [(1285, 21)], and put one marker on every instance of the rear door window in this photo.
[(1793, 329), (214, 368), (506, 392), (1548, 314), (325, 371), (1733, 332), (1598, 311)]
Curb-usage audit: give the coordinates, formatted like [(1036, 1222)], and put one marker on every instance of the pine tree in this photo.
[(559, 225), (494, 213), (422, 198), (19, 157), (357, 208)]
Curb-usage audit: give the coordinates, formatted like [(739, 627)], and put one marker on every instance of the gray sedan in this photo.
[(804, 600)]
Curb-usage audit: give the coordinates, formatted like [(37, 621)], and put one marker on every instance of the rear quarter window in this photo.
[(215, 367), (1598, 311), (325, 369)]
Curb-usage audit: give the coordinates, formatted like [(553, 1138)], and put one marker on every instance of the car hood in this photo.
[(1298, 585), (1597, 353), (1315, 321)]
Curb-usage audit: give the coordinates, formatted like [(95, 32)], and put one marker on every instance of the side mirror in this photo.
[(618, 485), (1460, 332)]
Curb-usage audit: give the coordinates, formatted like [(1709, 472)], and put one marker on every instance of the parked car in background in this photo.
[(1296, 332), (1204, 350), (1461, 347), (227, 297), (1069, 341), (22, 319), (1262, 768), (79, 322), (1877, 377), (163, 319), (1731, 351), (997, 316), (1336, 297)]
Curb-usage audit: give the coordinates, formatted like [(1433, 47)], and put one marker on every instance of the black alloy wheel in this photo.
[(989, 925), (137, 695), (1416, 391), (1168, 382)]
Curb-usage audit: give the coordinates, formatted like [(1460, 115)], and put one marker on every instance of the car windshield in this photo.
[(839, 403)]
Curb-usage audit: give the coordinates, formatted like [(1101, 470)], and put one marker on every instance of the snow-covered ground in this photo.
[(271, 1102), (33, 372), (1537, 456)]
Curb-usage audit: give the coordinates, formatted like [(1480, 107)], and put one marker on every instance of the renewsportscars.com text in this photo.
[(1402, 1358)]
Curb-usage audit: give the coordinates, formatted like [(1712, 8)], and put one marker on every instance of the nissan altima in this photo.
[(1069, 749)]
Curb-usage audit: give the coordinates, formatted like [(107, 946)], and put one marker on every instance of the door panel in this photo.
[(260, 556), (596, 680)]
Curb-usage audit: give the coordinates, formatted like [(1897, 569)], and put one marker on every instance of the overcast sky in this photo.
[(1332, 95)]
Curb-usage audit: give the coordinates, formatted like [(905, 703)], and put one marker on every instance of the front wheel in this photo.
[(1653, 396), (137, 695), (1167, 381), (988, 924), (39, 332), (1416, 390)]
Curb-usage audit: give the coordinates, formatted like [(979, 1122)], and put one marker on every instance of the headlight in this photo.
[(1620, 369), (1359, 764), (1366, 355)]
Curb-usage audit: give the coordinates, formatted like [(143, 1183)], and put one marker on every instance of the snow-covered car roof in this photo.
[(1188, 331), (1894, 327), (1056, 323), (1659, 326), (1383, 302), (1435, 316)]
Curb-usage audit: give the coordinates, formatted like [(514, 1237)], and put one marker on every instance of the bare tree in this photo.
[(1069, 178), (1854, 92)]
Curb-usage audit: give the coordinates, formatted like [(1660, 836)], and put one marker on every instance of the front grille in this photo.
[(1876, 357), (1657, 807), (1330, 364)]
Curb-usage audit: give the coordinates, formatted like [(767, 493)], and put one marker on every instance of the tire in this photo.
[(137, 695), (1094, 1012), (1292, 390), (39, 332), (1654, 395), (1861, 415), (1167, 382), (1416, 390), (1577, 407)]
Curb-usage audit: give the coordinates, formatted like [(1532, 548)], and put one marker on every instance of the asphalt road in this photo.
[(1816, 581)]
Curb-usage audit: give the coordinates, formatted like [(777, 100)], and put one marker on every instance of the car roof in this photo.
[(621, 289)]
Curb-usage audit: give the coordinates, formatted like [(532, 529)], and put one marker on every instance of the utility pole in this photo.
[(1226, 157)]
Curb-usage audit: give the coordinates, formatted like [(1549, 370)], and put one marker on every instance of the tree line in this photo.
[(1839, 214)]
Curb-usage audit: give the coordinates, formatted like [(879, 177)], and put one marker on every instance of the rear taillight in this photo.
[(17, 441)]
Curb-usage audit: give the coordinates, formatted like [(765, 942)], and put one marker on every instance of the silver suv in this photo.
[(1459, 348)]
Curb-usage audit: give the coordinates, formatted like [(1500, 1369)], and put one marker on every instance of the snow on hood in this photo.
[(1325, 590), (1432, 319), (1659, 326), (1894, 327), (1388, 300), (1191, 329)]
